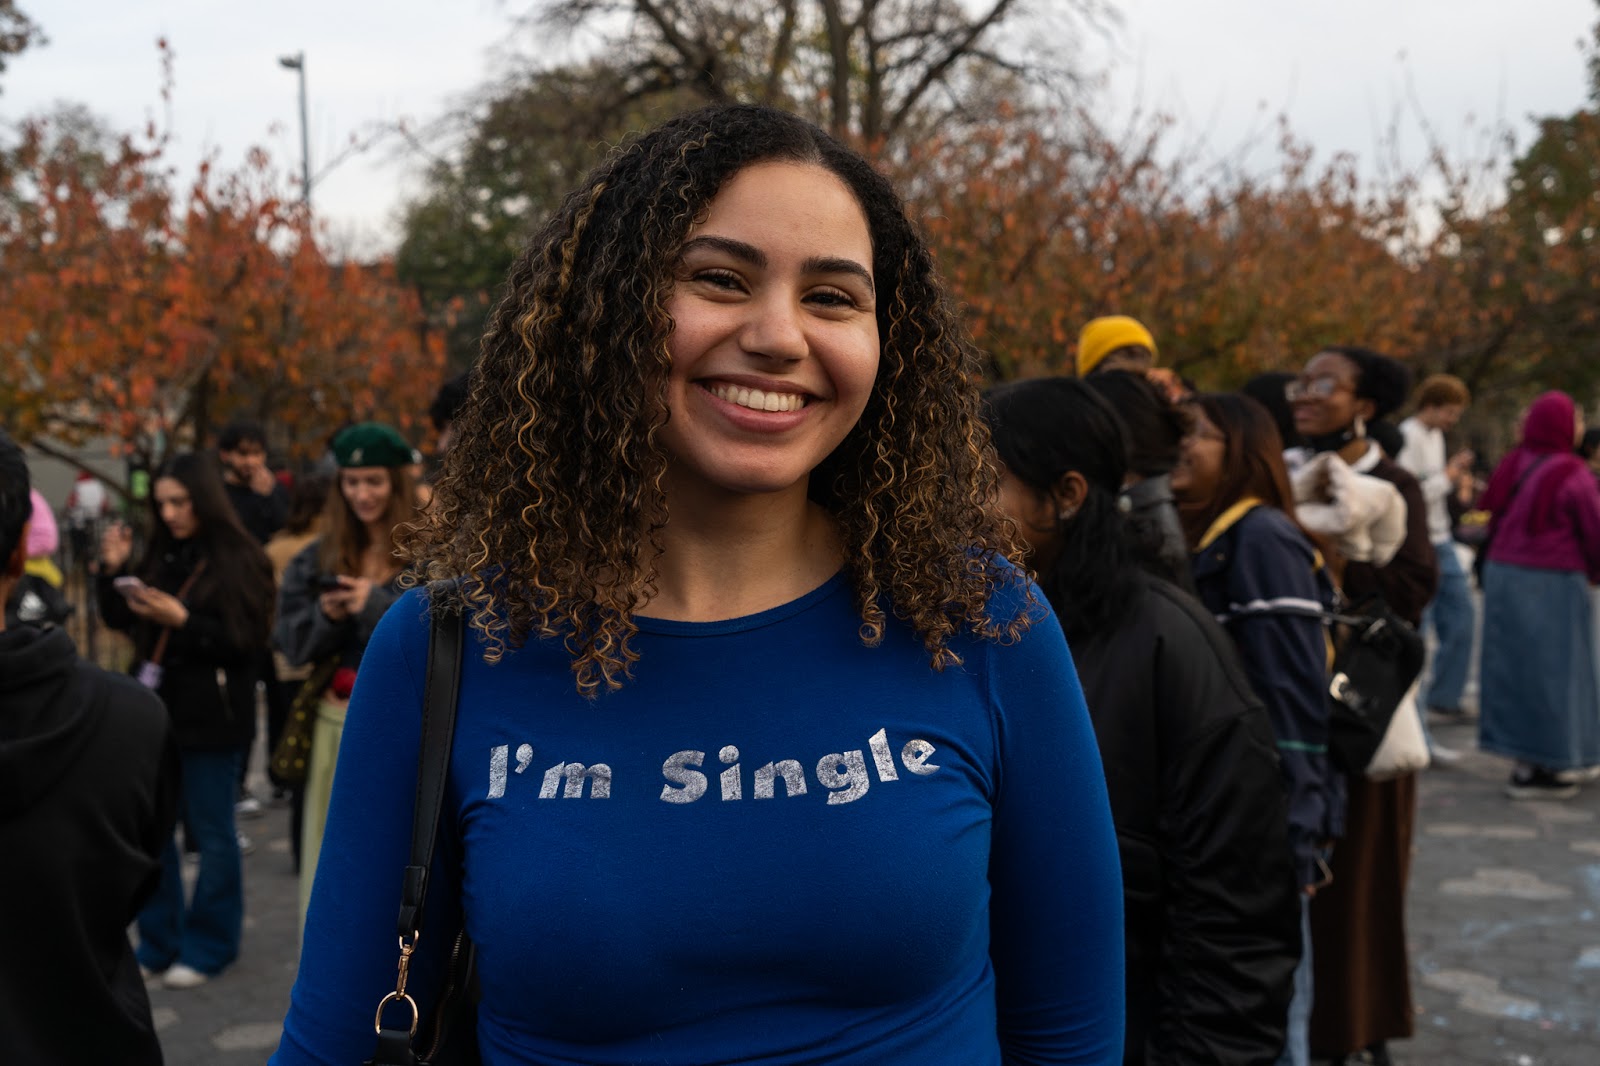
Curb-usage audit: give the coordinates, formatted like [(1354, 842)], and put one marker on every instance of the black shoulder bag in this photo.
[(451, 1038), (1377, 655), (1482, 556)]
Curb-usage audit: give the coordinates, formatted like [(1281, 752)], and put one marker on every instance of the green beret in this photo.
[(371, 444)]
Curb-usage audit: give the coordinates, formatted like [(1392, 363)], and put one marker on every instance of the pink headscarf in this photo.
[(43, 539), (1549, 430)]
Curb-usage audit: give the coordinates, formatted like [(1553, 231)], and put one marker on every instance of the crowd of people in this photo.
[(766, 741)]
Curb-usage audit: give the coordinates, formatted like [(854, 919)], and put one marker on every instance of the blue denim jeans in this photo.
[(204, 934), (1297, 1045), (1454, 621)]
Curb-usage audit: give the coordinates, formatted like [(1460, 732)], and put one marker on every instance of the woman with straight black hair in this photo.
[(198, 606), (1212, 913)]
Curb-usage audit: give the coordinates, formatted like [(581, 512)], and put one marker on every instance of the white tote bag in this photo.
[(1404, 749)]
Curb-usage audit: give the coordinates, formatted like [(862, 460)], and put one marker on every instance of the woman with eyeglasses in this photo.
[(1358, 922), (1212, 917), (1259, 573)]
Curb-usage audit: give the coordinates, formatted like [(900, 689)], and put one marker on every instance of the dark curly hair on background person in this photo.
[(550, 505), (1156, 426), (1381, 379)]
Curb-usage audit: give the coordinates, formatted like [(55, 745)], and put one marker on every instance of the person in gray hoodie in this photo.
[(88, 795)]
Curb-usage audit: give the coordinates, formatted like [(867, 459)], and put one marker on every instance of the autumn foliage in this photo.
[(150, 314), (1041, 230)]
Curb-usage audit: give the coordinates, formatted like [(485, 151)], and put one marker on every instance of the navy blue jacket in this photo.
[(1260, 575)]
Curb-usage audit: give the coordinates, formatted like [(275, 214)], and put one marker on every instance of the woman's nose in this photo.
[(775, 329)]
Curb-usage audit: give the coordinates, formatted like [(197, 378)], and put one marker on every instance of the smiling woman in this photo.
[(721, 505)]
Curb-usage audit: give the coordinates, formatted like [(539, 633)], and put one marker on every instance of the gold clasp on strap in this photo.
[(396, 997), (399, 993)]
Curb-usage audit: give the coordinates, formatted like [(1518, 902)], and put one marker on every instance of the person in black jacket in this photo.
[(1212, 912), (1156, 428), (198, 606), (88, 791), (260, 501)]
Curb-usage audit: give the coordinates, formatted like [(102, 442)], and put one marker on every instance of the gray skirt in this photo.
[(1539, 692)]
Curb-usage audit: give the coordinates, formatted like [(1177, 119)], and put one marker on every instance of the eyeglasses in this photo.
[(1318, 388)]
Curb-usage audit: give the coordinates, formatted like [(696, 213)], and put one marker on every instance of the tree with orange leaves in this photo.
[(150, 317)]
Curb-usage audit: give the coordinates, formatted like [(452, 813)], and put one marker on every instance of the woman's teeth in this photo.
[(757, 399)]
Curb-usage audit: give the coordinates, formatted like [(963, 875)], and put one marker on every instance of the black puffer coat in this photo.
[(1212, 906)]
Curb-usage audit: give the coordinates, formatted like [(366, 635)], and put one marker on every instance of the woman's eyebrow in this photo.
[(738, 249), (837, 265), (749, 253)]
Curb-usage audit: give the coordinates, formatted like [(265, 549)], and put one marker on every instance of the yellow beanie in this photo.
[(1105, 335)]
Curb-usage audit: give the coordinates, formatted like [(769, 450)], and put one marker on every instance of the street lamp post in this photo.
[(297, 63)]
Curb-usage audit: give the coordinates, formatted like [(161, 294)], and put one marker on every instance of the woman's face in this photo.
[(1033, 511), (366, 489), (1201, 459), (175, 508), (1326, 398), (775, 340)]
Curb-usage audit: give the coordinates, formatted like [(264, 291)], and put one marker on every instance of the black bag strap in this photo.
[(441, 688)]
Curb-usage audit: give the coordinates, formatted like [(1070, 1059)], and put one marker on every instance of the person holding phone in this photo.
[(198, 607), (333, 593)]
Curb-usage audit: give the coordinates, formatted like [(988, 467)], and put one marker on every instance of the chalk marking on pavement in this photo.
[(1486, 832), (1506, 884), (1480, 994), (251, 1036)]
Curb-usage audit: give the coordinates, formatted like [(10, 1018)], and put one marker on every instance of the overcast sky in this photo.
[(1340, 70)]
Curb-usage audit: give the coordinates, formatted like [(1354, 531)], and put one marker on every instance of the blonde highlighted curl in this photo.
[(550, 503)]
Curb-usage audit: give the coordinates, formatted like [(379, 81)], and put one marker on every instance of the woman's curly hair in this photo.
[(549, 510)]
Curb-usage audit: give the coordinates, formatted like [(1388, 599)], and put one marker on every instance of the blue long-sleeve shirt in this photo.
[(773, 845)]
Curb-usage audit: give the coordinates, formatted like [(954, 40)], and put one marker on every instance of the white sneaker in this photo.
[(248, 807), (180, 976), (1583, 776), (1444, 757)]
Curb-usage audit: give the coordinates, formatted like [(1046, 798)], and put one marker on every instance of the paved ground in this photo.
[(1505, 931), (1505, 921)]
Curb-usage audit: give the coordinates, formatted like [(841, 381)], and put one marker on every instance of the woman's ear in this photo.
[(1069, 493), (1366, 410)]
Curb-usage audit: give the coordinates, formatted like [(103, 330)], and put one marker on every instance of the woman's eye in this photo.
[(831, 298), (721, 279)]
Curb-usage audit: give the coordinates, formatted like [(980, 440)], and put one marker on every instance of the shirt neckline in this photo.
[(745, 623)]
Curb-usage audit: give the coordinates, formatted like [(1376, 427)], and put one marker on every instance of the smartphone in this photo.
[(127, 584), (328, 583)]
